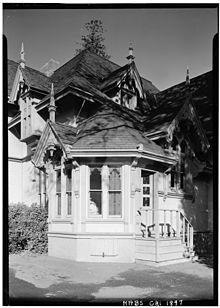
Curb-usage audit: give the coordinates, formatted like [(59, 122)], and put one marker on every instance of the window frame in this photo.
[(69, 193), (105, 192), (59, 193), (115, 190), (178, 171), (99, 167)]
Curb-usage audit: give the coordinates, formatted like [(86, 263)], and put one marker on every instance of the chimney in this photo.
[(130, 57), (52, 107), (22, 60)]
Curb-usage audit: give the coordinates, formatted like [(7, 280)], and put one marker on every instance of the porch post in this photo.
[(156, 215)]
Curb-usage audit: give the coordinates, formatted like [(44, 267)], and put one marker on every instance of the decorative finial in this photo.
[(52, 95), (187, 77), (130, 57), (22, 53), (52, 107)]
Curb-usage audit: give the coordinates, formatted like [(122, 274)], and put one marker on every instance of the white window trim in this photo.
[(67, 192), (105, 194)]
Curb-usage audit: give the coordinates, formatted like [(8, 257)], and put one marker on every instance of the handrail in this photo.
[(165, 223), (186, 219)]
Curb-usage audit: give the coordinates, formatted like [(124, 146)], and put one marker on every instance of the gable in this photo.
[(49, 141), (187, 122), (124, 86), (12, 70), (16, 87)]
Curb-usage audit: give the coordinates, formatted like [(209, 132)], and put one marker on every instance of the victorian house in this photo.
[(124, 169)]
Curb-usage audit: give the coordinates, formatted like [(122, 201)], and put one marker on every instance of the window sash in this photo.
[(105, 198), (69, 202), (58, 194)]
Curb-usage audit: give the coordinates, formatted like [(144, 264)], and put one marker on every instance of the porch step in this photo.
[(166, 249)]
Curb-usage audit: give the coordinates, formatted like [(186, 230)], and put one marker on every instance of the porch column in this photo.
[(156, 214)]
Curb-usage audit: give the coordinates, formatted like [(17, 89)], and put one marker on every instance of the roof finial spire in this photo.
[(187, 77), (52, 107), (130, 57), (22, 53)]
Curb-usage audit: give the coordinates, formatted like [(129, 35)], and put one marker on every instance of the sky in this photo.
[(165, 41)]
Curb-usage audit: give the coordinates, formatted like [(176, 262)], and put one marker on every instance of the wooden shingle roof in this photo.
[(12, 69), (170, 101), (33, 78), (107, 129)]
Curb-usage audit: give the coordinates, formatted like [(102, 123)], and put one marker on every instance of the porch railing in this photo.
[(165, 223)]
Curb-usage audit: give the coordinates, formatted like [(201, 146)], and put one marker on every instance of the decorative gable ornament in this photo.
[(188, 112), (47, 146)]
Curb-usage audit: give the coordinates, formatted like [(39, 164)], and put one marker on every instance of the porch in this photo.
[(163, 235)]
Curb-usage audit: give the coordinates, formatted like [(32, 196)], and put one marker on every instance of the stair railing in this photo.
[(171, 224)]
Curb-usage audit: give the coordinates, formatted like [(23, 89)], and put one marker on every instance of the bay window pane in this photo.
[(58, 181), (114, 179), (114, 203), (68, 180), (95, 203), (95, 178), (114, 191), (69, 203), (59, 204)]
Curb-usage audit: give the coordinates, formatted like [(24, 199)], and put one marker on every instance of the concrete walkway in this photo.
[(43, 278)]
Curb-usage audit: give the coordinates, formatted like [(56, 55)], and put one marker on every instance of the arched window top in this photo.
[(95, 178), (114, 179)]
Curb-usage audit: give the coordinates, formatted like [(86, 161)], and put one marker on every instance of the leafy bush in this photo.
[(27, 228)]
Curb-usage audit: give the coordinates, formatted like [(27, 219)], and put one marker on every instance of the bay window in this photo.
[(58, 191), (105, 195), (95, 203), (69, 191), (114, 191)]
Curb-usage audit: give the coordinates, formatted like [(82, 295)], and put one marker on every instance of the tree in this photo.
[(93, 40)]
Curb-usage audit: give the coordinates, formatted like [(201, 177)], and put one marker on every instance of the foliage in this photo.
[(93, 41), (27, 228)]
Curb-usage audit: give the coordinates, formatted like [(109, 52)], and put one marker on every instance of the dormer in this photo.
[(124, 85)]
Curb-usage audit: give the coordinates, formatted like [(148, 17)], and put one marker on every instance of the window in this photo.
[(177, 175), (26, 118), (114, 191), (39, 187), (147, 188), (58, 191), (69, 191), (105, 195), (95, 204), (42, 188)]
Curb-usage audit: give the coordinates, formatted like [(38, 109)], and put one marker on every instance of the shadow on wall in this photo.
[(197, 212)]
